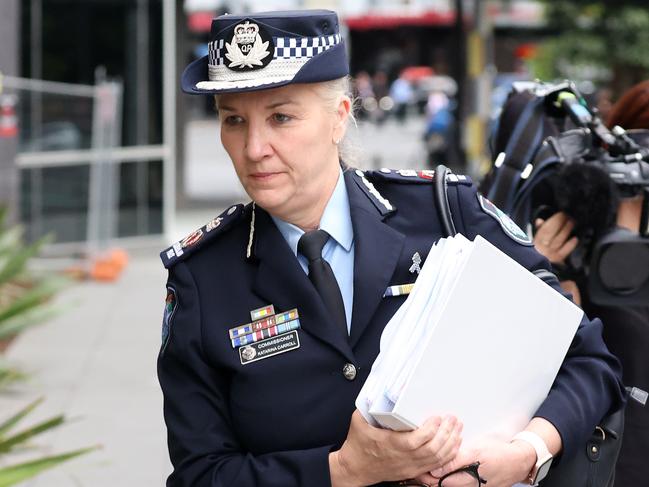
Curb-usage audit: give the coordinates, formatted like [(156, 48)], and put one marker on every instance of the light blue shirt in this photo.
[(339, 249)]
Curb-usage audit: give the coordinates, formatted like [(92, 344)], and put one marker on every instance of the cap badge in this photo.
[(250, 47)]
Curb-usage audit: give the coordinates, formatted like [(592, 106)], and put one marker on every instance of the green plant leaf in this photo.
[(6, 425), (36, 316), (32, 298), (15, 474), (15, 265), (10, 239), (9, 376), (6, 444)]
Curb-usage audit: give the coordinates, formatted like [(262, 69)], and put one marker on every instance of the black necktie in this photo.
[(321, 275)]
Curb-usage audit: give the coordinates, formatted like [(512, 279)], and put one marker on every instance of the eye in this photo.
[(233, 120), (281, 118)]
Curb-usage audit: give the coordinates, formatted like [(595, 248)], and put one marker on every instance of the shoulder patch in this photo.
[(510, 228), (415, 176), (170, 308), (195, 240)]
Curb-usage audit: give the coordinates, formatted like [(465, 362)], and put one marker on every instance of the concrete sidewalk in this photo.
[(96, 363)]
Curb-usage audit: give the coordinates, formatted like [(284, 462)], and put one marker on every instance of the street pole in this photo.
[(170, 108), (480, 70), (9, 55), (459, 73)]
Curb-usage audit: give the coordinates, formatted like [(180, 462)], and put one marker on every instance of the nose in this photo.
[(257, 142)]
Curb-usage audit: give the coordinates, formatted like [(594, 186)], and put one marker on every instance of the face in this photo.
[(281, 142)]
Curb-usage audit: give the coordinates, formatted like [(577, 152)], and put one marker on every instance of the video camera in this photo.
[(555, 154)]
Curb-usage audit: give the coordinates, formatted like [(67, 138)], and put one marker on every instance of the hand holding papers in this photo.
[(479, 337)]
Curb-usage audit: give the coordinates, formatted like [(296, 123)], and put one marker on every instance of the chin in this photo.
[(271, 200)]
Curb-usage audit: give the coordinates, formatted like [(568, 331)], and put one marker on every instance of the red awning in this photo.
[(415, 73), (391, 21), (200, 21)]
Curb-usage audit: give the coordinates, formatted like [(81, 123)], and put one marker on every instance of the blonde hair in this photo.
[(331, 92)]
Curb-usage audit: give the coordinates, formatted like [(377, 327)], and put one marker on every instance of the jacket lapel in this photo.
[(377, 248), (281, 281)]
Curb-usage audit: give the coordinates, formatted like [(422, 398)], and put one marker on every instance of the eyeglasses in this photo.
[(470, 474)]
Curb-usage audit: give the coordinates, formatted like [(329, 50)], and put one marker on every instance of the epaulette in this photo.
[(381, 203), (182, 249), (419, 176)]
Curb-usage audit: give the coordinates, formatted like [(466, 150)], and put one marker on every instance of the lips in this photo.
[(264, 176)]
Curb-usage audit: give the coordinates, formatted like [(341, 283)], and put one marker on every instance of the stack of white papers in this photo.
[(479, 337)]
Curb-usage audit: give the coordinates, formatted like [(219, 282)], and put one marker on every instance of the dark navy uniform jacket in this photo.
[(274, 421)]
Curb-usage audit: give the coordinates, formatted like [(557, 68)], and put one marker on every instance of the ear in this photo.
[(342, 116)]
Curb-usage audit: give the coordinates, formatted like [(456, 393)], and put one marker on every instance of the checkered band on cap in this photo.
[(291, 54)]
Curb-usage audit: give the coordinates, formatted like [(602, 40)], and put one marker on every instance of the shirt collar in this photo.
[(336, 220)]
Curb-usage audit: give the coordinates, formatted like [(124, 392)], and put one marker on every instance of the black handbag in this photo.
[(593, 465)]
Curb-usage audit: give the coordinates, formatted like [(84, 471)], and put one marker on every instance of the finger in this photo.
[(543, 234), (447, 450), (440, 449), (415, 439), (563, 234), (567, 248), (554, 223), (426, 479), (464, 456)]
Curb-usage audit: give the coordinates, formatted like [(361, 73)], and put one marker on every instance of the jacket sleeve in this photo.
[(203, 448), (588, 384)]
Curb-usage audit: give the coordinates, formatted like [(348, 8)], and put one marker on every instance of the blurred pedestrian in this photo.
[(364, 93), (382, 93), (402, 94), (439, 123)]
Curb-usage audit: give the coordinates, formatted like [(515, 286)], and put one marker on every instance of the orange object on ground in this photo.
[(109, 266)]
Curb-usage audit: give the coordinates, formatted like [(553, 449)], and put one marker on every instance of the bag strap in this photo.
[(519, 152), (440, 196)]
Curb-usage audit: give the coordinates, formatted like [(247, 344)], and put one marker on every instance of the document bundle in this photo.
[(479, 337)]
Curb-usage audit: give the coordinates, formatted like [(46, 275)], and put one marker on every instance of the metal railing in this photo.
[(92, 140)]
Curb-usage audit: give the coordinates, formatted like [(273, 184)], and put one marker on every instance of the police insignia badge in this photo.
[(170, 309), (510, 228), (416, 261), (191, 239), (213, 224), (250, 48)]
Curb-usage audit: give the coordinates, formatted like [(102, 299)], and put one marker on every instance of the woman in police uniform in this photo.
[(274, 310)]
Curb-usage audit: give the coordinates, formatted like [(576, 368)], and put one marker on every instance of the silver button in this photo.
[(232, 210), (349, 371), (385, 170), (360, 173)]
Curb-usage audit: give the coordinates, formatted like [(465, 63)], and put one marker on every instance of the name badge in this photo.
[(269, 347)]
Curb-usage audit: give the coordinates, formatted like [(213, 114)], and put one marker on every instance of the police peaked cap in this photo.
[(266, 50)]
